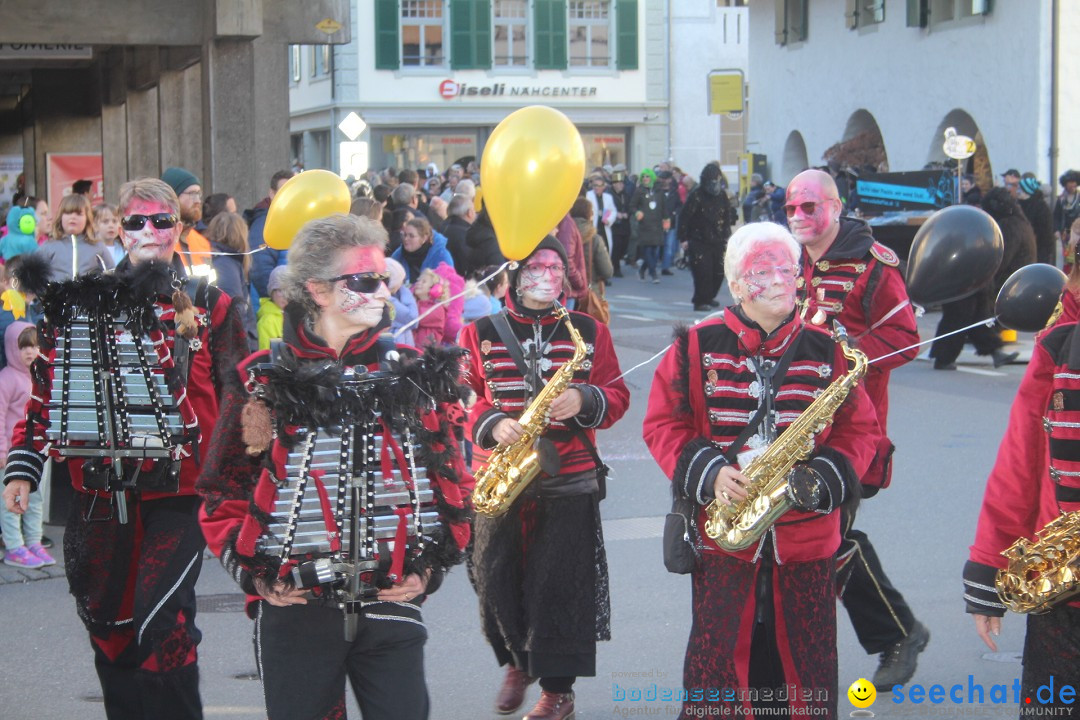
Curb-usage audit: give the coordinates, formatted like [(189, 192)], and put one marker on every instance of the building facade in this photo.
[(881, 80), (428, 80)]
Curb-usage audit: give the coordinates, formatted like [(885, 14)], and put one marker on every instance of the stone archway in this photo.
[(861, 148), (979, 163), (794, 160)]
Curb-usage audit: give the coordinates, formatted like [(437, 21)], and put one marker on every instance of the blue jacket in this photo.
[(405, 311), (264, 261), (437, 253)]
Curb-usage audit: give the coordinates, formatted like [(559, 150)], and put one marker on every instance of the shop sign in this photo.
[(63, 169), (36, 51), (450, 90)]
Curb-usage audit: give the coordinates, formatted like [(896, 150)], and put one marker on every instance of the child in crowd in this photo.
[(107, 230), (483, 298), (22, 533), (431, 291), (21, 232), (271, 319), (16, 301), (73, 249), (403, 300)]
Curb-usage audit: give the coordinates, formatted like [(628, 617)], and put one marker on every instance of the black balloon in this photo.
[(955, 252), (1029, 296)]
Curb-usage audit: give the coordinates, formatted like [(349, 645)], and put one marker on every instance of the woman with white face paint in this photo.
[(763, 617), (315, 384), (526, 598)]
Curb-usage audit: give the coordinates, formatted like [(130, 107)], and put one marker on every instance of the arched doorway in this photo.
[(978, 164), (862, 148), (794, 160)]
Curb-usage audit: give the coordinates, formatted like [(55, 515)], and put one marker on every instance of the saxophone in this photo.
[(511, 468), (739, 525), (1043, 573)]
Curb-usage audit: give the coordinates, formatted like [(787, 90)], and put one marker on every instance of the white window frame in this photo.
[(421, 23), (572, 24), (294, 64), (871, 12), (321, 58), (496, 21)]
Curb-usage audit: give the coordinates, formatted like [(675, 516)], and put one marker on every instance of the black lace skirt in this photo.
[(541, 575)]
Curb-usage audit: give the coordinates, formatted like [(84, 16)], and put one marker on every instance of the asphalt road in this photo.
[(946, 426)]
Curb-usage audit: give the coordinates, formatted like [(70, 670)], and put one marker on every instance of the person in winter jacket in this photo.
[(22, 533), (264, 262), (704, 228), (483, 247), (270, 319), (651, 219), (404, 302), (21, 232), (72, 249), (1037, 211)]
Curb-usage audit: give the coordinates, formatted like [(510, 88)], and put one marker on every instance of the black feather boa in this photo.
[(681, 381), (132, 294), (34, 274)]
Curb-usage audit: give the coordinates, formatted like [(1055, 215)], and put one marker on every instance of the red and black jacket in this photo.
[(1036, 476), (708, 387), (502, 391), (236, 512)]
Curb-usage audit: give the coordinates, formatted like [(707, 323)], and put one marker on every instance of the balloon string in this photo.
[(215, 253), (450, 299), (986, 322)]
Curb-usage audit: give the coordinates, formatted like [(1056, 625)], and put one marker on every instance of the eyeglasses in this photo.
[(366, 283), (762, 273), (197, 194), (808, 208), (160, 221), (535, 271)]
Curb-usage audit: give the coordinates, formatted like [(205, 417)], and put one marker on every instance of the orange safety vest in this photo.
[(195, 249)]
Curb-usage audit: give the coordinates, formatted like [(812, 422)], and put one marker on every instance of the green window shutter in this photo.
[(851, 14), (626, 35), (549, 34), (916, 13), (780, 32), (387, 45), (798, 19), (470, 34)]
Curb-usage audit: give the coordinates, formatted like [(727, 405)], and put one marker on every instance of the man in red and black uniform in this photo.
[(134, 581), (848, 278), (540, 626), (1036, 477)]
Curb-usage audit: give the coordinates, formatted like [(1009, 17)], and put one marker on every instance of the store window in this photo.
[(589, 30), (604, 147), (510, 19), (416, 148), (422, 33)]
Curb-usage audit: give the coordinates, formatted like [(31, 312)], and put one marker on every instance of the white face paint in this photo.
[(359, 310), (149, 243), (538, 284)]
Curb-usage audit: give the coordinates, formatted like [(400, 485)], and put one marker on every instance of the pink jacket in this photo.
[(455, 308), (14, 387)]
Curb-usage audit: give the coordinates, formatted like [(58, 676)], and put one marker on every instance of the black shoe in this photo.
[(666, 272), (702, 307), (1003, 358), (641, 273), (898, 663), (713, 303), (46, 542), (617, 273), (944, 366)]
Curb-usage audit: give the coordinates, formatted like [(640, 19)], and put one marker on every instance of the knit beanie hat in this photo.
[(179, 179), (1029, 185), (396, 271), (277, 277)]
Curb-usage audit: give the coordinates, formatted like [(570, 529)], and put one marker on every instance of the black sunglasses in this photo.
[(160, 221), (808, 208), (363, 282)]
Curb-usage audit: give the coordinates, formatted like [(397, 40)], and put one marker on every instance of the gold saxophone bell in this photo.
[(1042, 574)]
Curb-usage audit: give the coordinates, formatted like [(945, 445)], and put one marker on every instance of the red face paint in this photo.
[(361, 310), (540, 291), (810, 228), (767, 276), (149, 243)]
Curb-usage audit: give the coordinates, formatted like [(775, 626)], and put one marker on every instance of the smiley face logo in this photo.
[(862, 693)]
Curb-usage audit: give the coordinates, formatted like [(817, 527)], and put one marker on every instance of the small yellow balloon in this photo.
[(307, 196), (478, 201), (532, 169)]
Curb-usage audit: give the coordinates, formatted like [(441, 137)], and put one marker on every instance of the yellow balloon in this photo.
[(307, 196), (532, 169)]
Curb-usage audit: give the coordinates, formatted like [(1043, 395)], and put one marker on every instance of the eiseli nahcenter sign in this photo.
[(452, 90)]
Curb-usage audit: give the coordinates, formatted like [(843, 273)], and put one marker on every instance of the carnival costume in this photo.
[(540, 569), (361, 486), (764, 617), (1035, 478), (858, 284), (130, 376)]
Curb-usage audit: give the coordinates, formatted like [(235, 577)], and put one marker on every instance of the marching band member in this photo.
[(1035, 478), (540, 569), (849, 277), (320, 402), (133, 555), (763, 617)]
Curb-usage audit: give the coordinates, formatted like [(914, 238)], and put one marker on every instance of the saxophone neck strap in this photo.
[(776, 377), (510, 340)]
